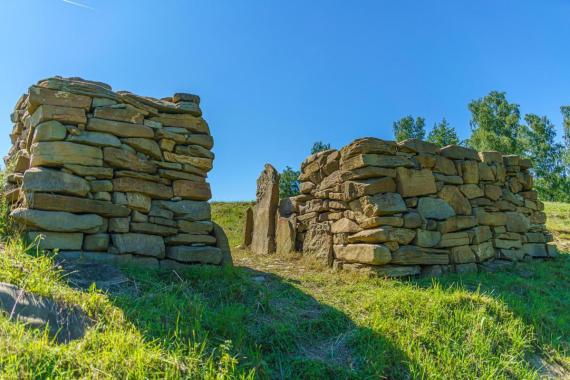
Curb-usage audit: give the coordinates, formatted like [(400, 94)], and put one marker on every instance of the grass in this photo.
[(288, 317)]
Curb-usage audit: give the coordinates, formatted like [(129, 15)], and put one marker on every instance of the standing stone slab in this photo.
[(285, 235), (264, 212)]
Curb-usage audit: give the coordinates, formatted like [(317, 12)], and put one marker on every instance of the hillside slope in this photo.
[(288, 317)]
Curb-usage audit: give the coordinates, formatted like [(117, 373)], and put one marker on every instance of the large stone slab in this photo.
[(223, 244), (319, 242), (57, 221), (203, 227), (199, 162), (192, 190), (372, 254), (383, 161), (49, 131), (187, 210), (54, 181), (153, 229), (65, 115), (412, 183), (188, 239), (412, 255), (140, 244), (189, 122), (146, 146), (265, 211), (54, 202), (152, 189), (435, 208), (205, 141), (194, 150), (368, 145), (380, 204), (39, 95), (56, 240), (120, 158), (98, 139), (60, 153), (453, 196), (198, 254), (119, 128), (98, 172), (120, 112), (384, 234), (285, 235)]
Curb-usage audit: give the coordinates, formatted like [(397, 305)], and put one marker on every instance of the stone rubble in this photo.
[(112, 176), (410, 208)]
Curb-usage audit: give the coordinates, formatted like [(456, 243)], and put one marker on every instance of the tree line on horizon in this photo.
[(496, 125)]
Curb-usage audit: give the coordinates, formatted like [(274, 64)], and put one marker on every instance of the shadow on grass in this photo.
[(272, 325), (538, 292)]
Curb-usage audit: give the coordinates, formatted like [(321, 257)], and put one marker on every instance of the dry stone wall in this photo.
[(113, 176), (401, 209)]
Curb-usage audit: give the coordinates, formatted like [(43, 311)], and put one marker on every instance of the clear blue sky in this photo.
[(275, 76)]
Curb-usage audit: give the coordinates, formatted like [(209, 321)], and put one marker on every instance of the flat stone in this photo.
[(453, 239), (427, 239), (118, 128), (285, 235), (445, 166), (98, 139), (90, 171), (368, 145), (120, 112), (380, 204), (101, 185), (133, 185), (345, 225), (177, 174), (384, 234), (57, 221), (56, 240), (448, 179), (384, 161), (205, 141), (189, 122), (146, 146), (54, 181), (119, 225), (187, 239), (194, 150), (203, 227), (507, 244), (462, 255), (38, 96), (188, 210), (471, 191), (470, 171), (199, 162), (412, 183), (357, 189), (435, 208), (53, 202), (153, 229), (417, 146), (140, 244), (517, 222), (96, 242), (491, 218), (318, 242), (456, 200), (65, 115), (535, 250), (196, 254), (363, 253), (412, 255), (484, 251), (138, 201), (120, 158), (457, 223), (60, 153), (199, 191), (457, 152), (49, 131), (377, 221)]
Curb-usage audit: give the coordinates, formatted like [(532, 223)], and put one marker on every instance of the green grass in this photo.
[(558, 218), (288, 317)]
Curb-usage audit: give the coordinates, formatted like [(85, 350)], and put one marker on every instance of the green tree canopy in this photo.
[(547, 156), (288, 183), (320, 146), (443, 134), (566, 128), (408, 128), (495, 124)]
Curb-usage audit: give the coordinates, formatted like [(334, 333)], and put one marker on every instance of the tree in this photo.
[(495, 124), (443, 134), (566, 128), (537, 140), (320, 146), (408, 128), (288, 183)]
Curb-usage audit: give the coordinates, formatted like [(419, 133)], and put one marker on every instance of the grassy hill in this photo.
[(288, 317)]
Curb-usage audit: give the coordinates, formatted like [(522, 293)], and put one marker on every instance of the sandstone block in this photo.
[(153, 229), (189, 239), (454, 239), (53, 202), (267, 195), (57, 221), (60, 153), (363, 253), (96, 242), (98, 139), (412, 183), (384, 161), (412, 255), (380, 204), (457, 152), (471, 191), (90, 171), (383, 234), (140, 244), (285, 235), (435, 208), (427, 239), (54, 181), (119, 158), (119, 225), (56, 240), (152, 189), (38, 96), (146, 146), (186, 121), (120, 112), (138, 201), (65, 115), (456, 200), (462, 255), (457, 223), (187, 210), (118, 128), (49, 131), (199, 191)]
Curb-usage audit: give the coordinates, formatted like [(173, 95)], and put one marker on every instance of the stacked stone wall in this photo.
[(113, 176), (400, 209)]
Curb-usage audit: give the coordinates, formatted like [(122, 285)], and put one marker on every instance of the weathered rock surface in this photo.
[(267, 199)]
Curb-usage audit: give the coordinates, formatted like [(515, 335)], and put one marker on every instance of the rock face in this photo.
[(401, 209), (112, 176), (267, 200)]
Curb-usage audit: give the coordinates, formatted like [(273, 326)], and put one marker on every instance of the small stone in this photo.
[(140, 244), (96, 242), (56, 240), (49, 131), (434, 208), (363, 253)]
